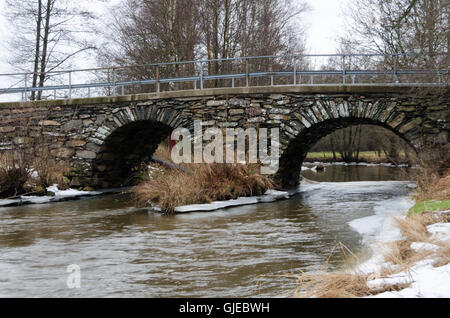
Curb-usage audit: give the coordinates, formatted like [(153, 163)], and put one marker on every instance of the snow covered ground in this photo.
[(425, 280)]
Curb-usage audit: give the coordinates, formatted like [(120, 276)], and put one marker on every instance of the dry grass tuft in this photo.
[(17, 167), (49, 170), (400, 253), (163, 153), (332, 285), (14, 173), (443, 254), (430, 186), (202, 184), (340, 285), (414, 227)]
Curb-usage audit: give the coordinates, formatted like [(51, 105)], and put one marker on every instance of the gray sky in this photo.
[(3, 27), (323, 23)]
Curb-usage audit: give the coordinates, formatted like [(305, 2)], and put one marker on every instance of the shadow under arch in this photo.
[(125, 148), (295, 153)]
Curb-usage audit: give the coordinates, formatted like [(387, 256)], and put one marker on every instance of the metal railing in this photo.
[(311, 69)]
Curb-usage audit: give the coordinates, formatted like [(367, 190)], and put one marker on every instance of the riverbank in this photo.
[(411, 251), (364, 157), (56, 194)]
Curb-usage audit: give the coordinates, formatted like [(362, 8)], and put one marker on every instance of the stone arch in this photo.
[(128, 138), (315, 123)]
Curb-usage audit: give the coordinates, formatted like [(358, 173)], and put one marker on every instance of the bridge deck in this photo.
[(209, 92)]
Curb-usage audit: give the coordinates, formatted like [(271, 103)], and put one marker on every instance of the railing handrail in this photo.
[(201, 77)]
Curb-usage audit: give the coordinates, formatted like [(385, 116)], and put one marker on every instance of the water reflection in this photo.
[(343, 173)]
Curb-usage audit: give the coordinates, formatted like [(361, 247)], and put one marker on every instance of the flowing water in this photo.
[(248, 251)]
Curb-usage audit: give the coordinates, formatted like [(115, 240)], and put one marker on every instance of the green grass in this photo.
[(430, 206), (369, 156)]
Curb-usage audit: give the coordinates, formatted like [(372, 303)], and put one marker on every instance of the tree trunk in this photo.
[(37, 49), (44, 46)]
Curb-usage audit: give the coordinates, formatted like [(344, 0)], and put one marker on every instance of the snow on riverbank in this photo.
[(425, 280), (59, 195)]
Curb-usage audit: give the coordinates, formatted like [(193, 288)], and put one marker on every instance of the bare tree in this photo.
[(401, 26), (351, 142), (48, 35), (178, 30)]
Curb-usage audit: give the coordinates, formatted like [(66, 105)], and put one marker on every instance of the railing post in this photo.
[(247, 76), (157, 79), (26, 87), (271, 73), (70, 84), (343, 69), (395, 69), (295, 69), (114, 81), (311, 80), (201, 75)]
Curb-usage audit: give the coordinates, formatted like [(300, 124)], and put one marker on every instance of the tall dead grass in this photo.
[(163, 153), (414, 227), (49, 170), (202, 183), (433, 187), (433, 183), (30, 168), (14, 173)]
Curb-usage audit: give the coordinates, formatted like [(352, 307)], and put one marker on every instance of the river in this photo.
[(248, 251)]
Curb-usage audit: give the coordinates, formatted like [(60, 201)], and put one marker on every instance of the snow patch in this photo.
[(59, 195), (69, 192), (269, 196), (439, 231), (420, 246), (426, 281), (381, 228)]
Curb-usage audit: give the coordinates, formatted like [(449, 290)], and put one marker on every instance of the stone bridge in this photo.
[(103, 138)]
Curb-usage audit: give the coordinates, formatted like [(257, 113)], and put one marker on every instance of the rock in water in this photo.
[(320, 167)]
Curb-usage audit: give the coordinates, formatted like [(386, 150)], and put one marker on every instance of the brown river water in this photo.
[(248, 251)]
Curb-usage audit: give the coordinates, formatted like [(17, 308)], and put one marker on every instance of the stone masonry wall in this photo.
[(95, 134)]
